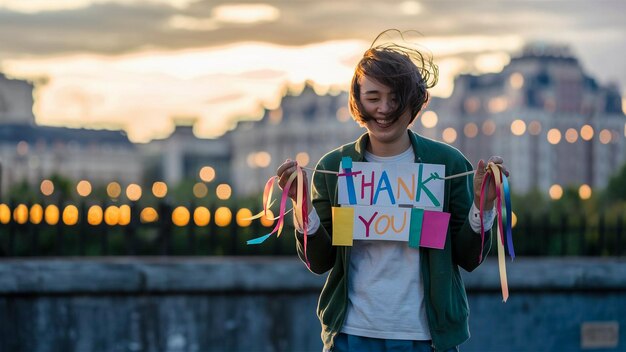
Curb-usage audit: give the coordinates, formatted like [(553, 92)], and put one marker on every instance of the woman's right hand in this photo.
[(285, 171)]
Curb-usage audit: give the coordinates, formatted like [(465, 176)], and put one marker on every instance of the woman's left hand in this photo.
[(479, 176)]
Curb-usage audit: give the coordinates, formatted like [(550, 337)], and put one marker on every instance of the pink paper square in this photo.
[(434, 229)]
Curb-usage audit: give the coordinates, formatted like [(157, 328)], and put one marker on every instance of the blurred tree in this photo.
[(616, 188), (534, 202), (63, 187), (23, 192)]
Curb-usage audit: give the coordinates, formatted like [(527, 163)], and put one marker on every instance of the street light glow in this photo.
[(83, 188), (201, 216)]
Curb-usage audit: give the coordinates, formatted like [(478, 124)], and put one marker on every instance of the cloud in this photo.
[(121, 26), (246, 13)]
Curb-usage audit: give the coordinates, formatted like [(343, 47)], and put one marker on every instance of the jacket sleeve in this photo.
[(320, 252), (466, 244)]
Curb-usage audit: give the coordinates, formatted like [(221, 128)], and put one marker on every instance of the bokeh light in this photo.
[(586, 132), (125, 215), (223, 216), (489, 127), (201, 216), (148, 215), (70, 215), (605, 136), (51, 214), (534, 127), (429, 119), (516, 80), (268, 219), (5, 214), (471, 105), (555, 192), (95, 215), (36, 214), (200, 190), (262, 159), (133, 192), (470, 130), (20, 214), (343, 114), (207, 174), (159, 189), (303, 158), (223, 191), (554, 136), (46, 187), (180, 216), (83, 188), (449, 135), (243, 216), (571, 135), (584, 191), (114, 190), (498, 104), (518, 127), (111, 215)]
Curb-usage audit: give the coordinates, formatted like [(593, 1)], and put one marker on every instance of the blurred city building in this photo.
[(16, 101), (181, 155), (304, 127), (552, 123), (31, 153)]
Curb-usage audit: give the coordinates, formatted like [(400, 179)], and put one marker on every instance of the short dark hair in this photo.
[(405, 70)]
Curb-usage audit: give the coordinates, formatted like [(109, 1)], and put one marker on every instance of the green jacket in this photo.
[(445, 299)]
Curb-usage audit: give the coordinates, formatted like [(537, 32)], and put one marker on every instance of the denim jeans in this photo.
[(353, 343)]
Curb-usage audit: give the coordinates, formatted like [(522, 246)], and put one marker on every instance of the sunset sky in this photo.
[(136, 64)]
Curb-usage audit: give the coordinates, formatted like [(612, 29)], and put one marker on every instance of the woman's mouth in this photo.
[(384, 123)]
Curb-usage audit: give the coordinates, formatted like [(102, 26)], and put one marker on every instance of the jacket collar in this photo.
[(416, 141)]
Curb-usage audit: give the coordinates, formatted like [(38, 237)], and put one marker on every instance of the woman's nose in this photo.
[(385, 107)]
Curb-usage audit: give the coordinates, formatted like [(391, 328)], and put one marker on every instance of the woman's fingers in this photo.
[(284, 166), (499, 161), (284, 172), (496, 159)]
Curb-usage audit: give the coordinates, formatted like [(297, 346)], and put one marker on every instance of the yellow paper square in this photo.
[(343, 226)]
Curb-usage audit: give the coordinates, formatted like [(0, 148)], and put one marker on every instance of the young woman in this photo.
[(384, 295)]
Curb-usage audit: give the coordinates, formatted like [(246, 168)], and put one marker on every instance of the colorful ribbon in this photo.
[(300, 208), (502, 190)]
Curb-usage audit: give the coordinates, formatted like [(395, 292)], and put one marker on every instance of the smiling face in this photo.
[(388, 133)]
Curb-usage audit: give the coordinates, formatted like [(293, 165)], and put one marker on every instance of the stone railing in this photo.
[(268, 304)]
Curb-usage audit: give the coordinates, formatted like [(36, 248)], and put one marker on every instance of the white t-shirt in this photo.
[(385, 287)]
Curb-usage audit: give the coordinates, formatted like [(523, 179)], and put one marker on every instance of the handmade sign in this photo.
[(390, 201), (397, 202)]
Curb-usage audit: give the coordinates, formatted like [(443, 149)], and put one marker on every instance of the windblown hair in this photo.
[(404, 69)]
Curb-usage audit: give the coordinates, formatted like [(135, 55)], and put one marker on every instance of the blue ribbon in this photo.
[(259, 240), (509, 218)]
